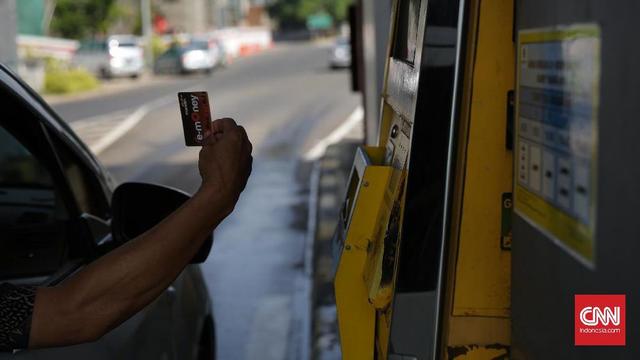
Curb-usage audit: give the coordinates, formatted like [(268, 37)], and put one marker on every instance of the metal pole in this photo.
[(145, 12), (8, 29)]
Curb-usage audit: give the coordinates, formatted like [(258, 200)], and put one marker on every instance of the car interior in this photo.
[(42, 184)]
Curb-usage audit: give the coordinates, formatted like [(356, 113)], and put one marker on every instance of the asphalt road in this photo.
[(288, 99)]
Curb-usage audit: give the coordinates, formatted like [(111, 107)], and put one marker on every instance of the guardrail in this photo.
[(237, 41), (243, 41), (42, 46)]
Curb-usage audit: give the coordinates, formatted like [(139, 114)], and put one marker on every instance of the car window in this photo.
[(89, 195), (85, 46), (198, 45), (91, 45), (33, 217), (122, 42), (127, 44), (342, 41)]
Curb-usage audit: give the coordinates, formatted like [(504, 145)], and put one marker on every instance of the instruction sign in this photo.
[(556, 134)]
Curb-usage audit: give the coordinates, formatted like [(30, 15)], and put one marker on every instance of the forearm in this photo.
[(122, 282)]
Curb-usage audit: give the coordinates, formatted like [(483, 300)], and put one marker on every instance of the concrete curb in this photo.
[(330, 161), (312, 221)]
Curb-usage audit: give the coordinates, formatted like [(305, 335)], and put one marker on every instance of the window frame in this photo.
[(43, 126), (40, 148)]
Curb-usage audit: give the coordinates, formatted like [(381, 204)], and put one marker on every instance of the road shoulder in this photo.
[(108, 87)]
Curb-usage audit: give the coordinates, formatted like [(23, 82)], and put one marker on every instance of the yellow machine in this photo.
[(465, 314), (499, 120), (372, 213)]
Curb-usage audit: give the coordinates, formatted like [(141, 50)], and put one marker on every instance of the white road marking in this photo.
[(356, 118), (100, 132), (270, 330), (119, 130)]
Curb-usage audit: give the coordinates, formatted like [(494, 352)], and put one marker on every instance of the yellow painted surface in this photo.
[(482, 353), (482, 280), (574, 234), (385, 123), (380, 292), (467, 330), (383, 331), (356, 316), (363, 292)]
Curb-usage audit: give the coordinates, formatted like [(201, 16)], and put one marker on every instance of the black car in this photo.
[(60, 209)]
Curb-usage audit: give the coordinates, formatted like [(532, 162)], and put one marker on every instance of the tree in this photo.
[(77, 19), (339, 9), (294, 13)]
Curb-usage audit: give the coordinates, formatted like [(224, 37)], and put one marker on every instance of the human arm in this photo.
[(113, 288)]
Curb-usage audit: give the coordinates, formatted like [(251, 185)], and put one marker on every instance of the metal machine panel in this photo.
[(482, 273), (475, 316), (545, 276), (366, 275)]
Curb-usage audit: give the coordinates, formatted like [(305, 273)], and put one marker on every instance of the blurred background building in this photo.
[(34, 16)]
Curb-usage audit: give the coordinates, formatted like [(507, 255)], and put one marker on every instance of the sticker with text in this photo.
[(600, 320)]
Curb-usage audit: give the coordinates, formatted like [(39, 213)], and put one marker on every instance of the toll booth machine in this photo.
[(501, 184)]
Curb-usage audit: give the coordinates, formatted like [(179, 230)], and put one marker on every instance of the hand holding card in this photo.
[(225, 161)]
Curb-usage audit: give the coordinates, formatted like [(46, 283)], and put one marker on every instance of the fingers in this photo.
[(246, 144), (248, 168), (227, 127), (222, 125), (217, 128), (209, 139)]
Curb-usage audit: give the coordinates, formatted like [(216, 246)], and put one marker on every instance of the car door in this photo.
[(167, 63), (54, 211)]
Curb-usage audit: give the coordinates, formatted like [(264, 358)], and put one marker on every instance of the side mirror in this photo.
[(137, 207)]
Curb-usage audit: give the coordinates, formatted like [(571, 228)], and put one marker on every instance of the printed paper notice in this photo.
[(556, 134)]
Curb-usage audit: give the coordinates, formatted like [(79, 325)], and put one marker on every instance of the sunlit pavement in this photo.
[(288, 99)]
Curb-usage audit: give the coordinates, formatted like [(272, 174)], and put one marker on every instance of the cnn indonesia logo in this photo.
[(600, 320)]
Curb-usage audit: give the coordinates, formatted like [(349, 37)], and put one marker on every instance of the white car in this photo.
[(341, 53), (188, 58), (115, 56), (216, 50)]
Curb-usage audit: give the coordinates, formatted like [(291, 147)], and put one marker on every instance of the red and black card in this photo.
[(196, 116)]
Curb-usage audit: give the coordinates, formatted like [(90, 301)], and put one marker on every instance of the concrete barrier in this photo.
[(42, 46), (243, 41)]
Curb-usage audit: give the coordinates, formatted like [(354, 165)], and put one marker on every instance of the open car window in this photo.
[(45, 186), (87, 192)]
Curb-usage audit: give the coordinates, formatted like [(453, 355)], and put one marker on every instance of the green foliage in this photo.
[(59, 79), (77, 19), (292, 14), (340, 10), (158, 46)]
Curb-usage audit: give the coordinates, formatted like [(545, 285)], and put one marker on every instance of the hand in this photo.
[(225, 162)]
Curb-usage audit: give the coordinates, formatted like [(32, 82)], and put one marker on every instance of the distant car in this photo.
[(341, 53), (60, 210), (191, 57), (216, 50), (114, 56)]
